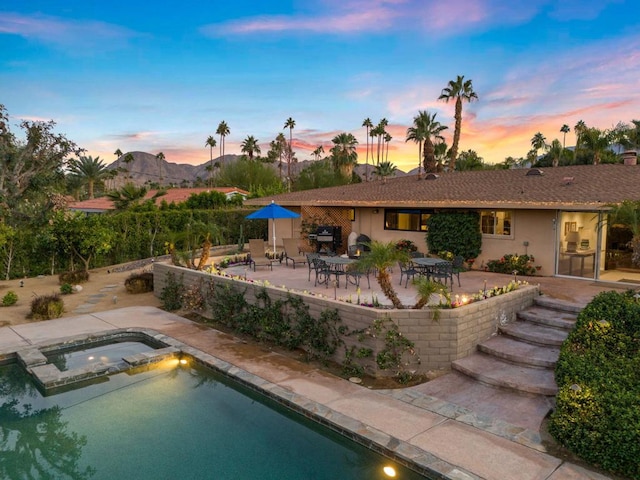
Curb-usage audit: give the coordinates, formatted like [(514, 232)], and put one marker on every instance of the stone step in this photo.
[(545, 316), (534, 333), (515, 351), (557, 304), (492, 371)]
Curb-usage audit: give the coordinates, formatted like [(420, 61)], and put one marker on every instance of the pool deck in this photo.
[(452, 441)]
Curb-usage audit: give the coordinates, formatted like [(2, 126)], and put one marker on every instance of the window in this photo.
[(409, 220), (496, 222)]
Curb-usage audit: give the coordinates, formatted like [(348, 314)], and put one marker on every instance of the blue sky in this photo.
[(160, 76)]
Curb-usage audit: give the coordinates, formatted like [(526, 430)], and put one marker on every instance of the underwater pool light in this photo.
[(389, 471)]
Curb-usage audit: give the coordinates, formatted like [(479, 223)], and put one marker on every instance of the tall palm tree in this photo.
[(250, 146), (89, 170), (368, 125), (290, 123), (578, 129), (159, 159), (344, 154), (223, 131), (426, 131), (281, 146), (387, 140), (539, 142), (118, 154), (564, 129), (380, 133), (211, 142), (460, 90)]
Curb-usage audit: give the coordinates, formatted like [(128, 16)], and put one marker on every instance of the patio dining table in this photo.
[(337, 265), (425, 264)]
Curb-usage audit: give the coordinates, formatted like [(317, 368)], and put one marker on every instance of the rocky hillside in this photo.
[(146, 167)]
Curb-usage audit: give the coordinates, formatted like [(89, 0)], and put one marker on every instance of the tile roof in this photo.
[(173, 195), (580, 187)]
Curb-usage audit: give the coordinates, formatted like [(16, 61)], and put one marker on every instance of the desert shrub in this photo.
[(75, 277), (520, 264), (598, 374), (406, 246), (46, 307), (9, 299), (139, 282), (66, 289)]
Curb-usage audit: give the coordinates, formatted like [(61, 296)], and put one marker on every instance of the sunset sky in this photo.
[(159, 76)]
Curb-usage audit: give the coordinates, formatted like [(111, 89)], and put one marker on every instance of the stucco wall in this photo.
[(453, 334)]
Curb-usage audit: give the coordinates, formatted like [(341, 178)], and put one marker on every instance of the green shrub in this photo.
[(46, 307), (9, 299), (520, 264), (66, 289), (598, 374), (74, 278), (456, 232), (172, 293), (139, 282)]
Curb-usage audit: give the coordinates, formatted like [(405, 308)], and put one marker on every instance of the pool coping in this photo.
[(395, 449)]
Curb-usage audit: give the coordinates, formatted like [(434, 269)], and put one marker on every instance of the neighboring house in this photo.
[(173, 195), (552, 214)]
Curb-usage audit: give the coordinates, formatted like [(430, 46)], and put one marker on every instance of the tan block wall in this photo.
[(452, 334)]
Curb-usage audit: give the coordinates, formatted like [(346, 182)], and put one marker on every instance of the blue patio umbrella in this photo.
[(272, 211)]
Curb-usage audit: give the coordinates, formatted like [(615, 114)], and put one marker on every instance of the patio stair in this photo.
[(521, 358)]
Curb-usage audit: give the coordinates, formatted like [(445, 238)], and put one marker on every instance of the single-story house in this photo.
[(172, 195), (553, 214)]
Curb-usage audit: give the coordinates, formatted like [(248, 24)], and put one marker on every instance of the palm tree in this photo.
[(89, 170), (555, 150), (344, 153), (127, 196), (460, 90), (597, 141), (128, 160), (384, 170), (211, 142), (380, 133), (290, 123), (578, 129), (383, 257), (118, 154), (564, 129), (539, 142), (223, 131), (159, 159), (424, 129), (318, 151), (387, 140), (250, 146), (368, 125)]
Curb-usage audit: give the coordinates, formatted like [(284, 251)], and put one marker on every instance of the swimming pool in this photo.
[(169, 421)]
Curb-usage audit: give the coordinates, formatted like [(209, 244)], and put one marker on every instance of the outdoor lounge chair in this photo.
[(258, 254), (292, 252)]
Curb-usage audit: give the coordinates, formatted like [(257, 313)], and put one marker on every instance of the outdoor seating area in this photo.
[(258, 254)]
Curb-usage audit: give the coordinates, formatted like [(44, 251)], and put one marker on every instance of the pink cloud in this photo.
[(62, 32)]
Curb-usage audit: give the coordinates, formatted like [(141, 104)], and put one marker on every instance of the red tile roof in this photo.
[(173, 195), (581, 187)]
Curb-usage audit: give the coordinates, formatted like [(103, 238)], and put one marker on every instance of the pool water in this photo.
[(109, 353), (169, 422)]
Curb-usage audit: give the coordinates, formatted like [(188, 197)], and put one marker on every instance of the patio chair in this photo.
[(310, 257), (407, 270), (442, 272), (458, 266), (258, 254), (292, 252), (323, 272), (354, 273)]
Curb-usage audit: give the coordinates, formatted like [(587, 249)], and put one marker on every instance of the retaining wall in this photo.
[(440, 336)]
